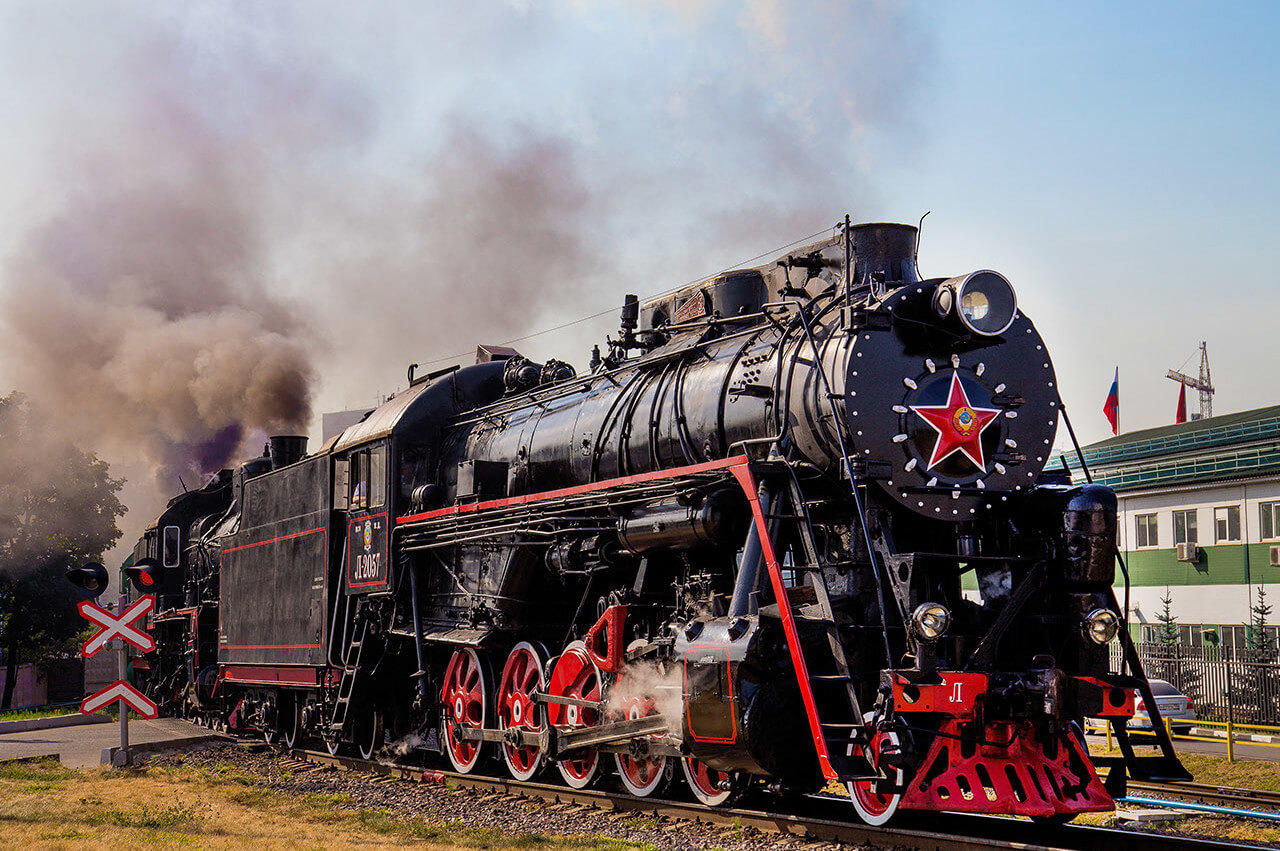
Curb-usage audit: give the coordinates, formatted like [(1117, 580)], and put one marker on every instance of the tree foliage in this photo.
[(1167, 632), (1257, 637), (58, 508)]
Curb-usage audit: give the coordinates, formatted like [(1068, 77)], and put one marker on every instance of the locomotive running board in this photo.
[(475, 521)]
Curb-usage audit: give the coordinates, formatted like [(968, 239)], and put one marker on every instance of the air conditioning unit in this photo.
[(1189, 553), (1275, 556)]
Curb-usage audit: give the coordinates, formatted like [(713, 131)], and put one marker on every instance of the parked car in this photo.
[(1173, 704)]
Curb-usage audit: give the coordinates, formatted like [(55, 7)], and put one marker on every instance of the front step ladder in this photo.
[(351, 666), (839, 734)]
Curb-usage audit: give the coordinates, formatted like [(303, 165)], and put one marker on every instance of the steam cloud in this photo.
[(230, 203)]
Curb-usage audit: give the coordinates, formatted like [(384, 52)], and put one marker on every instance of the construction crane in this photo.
[(1203, 384)]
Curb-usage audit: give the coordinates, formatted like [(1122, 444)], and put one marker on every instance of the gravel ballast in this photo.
[(473, 807)]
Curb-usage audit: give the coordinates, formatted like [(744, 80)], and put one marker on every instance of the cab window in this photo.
[(377, 476), (368, 478), (172, 546)]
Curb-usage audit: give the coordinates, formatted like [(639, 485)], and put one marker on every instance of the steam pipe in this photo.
[(752, 558), (421, 674)]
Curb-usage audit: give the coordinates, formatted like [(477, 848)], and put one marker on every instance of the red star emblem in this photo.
[(959, 426)]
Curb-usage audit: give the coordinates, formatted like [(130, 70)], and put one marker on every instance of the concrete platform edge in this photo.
[(50, 723), (182, 743)]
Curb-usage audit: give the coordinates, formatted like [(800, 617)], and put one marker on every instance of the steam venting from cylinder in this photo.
[(884, 253), (287, 449)]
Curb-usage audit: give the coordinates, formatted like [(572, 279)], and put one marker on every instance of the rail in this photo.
[(822, 817)]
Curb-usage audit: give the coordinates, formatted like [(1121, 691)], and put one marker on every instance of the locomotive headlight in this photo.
[(983, 302), (930, 621), (1101, 625)]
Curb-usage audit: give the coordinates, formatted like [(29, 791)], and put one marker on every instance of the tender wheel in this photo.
[(641, 776), (271, 728), (368, 733), (332, 742), (289, 719), (710, 786), (521, 677), (466, 699), (872, 806), (576, 676)]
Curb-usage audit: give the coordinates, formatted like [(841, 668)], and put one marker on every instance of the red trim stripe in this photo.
[(273, 540), (269, 646), (257, 674), (638, 478)]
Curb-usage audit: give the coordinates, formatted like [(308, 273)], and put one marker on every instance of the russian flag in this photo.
[(1112, 406)]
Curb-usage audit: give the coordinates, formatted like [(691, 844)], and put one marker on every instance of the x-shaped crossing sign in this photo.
[(118, 625)]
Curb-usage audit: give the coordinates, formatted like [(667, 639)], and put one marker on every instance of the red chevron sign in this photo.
[(121, 625), (122, 691)]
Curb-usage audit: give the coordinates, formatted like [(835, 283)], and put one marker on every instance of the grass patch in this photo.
[(41, 770), (45, 805), (31, 712), (1241, 774), (149, 818)]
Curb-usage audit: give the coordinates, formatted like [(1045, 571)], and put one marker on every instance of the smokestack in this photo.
[(884, 253), (286, 449)]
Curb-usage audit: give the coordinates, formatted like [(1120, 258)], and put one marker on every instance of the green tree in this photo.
[(1258, 673), (58, 508), (1171, 663), (1256, 637), (1167, 633)]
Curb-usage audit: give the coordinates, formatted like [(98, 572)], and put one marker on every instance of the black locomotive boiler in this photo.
[(794, 526)]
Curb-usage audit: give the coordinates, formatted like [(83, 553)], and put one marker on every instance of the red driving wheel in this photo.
[(522, 676), (642, 776), (709, 785), (873, 806), (576, 676), (465, 698)]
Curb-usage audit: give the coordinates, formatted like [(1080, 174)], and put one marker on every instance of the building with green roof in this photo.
[(1199, 520)]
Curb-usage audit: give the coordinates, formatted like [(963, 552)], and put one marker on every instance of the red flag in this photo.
[(1181, 416), (1112, 406)]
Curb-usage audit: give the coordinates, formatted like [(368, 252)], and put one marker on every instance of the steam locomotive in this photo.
[(793, 526)]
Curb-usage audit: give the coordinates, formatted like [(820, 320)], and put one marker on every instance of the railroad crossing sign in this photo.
[(118, 625), (122, 691)]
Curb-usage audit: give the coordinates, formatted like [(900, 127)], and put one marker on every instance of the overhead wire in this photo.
[(675, 289)]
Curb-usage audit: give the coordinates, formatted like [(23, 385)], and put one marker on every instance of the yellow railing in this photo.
[(1232, 728)]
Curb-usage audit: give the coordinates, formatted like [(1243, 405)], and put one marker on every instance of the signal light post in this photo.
[(117, 628)]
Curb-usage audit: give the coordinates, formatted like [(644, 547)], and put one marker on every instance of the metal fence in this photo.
[(1240, 686)]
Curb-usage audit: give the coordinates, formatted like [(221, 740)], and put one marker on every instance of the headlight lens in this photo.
[(984, 302), (930, 621), (1101, 625)]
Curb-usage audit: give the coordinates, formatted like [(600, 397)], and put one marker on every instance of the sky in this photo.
[(219, 219)]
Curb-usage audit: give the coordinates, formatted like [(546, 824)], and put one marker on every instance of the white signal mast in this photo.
[(1203, 383)]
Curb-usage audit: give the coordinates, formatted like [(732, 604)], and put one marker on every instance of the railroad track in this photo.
[(1203, 793), (814, 817)]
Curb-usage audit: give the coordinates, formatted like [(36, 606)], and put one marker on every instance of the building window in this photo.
[(1145, 531), (1184, 527), (1226, 524), (1269, 521)]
